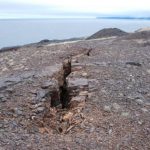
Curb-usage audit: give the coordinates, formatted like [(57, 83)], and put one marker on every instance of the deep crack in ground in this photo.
[(68, 102)]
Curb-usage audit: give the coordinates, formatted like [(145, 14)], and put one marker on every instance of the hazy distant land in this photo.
[(125, 17)]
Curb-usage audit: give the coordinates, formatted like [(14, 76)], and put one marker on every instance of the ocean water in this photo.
[(25, 31)]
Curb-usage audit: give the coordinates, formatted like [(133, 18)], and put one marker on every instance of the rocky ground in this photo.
[(90, 94)]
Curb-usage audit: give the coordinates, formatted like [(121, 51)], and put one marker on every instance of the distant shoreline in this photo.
[(128, 18)]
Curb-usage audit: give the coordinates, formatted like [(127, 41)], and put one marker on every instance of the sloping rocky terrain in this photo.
[(39, 44), (143, 29), (107, 32), (90, 94)]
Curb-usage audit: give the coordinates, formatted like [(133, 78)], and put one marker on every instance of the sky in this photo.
[(73, 8)]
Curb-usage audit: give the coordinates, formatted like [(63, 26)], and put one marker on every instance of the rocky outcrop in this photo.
[(108, 32), (139, 35), (13, 48), (39, 44)]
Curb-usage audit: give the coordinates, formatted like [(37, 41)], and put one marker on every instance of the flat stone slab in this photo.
[(77, 82)]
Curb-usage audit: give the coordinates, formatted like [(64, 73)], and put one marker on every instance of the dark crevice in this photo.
[(55, 98), (134, 64), (60, 96), (64, 94), (88, 52)]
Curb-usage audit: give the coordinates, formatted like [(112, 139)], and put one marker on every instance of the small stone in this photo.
[(10, 90), (34, 130), (140, 122), (147, 104), (110, 131), (104, 91), (128, 87), (144, 110), (44, 99), (116, 106), (130, 97), (139, 101), (125, 114), (84, 74), (111, 124), (79, 98), (41, 94), (4, 69), (17, 111), (34, 91), (40, 109), (90, 95), (120, 94), (47, 84), (148, 71), (67, 116), (1, 125), (37, 105), (107, 108), (2, 130), (74, 60), (83, 93), (142, 91), (2, 98), (33, 117), (11, 62), (91, 119), (78, 101), (92, 129)]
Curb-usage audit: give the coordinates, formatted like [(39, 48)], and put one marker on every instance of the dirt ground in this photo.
[(108, 86)]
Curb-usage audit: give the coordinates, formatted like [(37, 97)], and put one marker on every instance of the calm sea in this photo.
[(18, 32)]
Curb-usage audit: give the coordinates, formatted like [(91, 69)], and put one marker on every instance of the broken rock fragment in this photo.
[(78, 101), (75, 85)]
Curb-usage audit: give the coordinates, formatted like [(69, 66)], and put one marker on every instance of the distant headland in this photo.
[(124, 17)]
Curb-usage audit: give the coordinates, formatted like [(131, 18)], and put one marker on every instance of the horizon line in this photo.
[(95, 17)]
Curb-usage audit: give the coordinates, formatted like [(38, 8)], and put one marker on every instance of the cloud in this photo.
[(73, 7)]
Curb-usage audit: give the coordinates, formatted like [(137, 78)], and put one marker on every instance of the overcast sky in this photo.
[(73, 8)]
